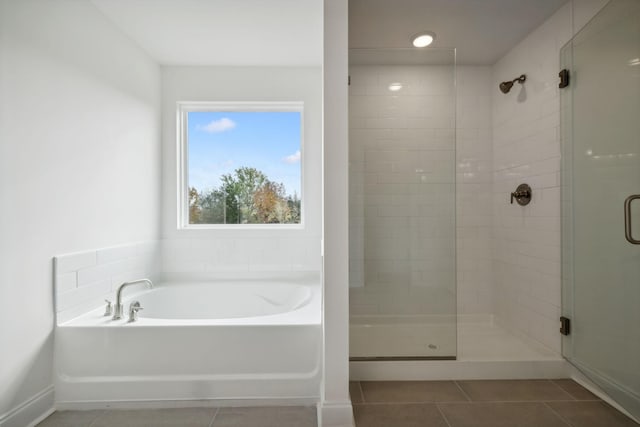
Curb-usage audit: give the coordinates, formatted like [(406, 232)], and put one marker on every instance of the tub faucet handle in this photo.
[(108, 310), (134, 307)]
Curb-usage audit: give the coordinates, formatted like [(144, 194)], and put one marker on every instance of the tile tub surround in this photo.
[(83, 280), (525, 403), (283, 416), (237, 255)]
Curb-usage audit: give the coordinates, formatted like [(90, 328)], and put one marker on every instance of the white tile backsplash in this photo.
[(66, 281), (74, 262), (83, 280), (241, 255)]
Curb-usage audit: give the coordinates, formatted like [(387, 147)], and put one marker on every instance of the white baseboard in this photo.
[(186, 403), (30, 412), (335, 414)]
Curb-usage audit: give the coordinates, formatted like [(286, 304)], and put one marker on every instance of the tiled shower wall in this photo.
[(402, 160), (473, 190), (526, 149), (402, 148)]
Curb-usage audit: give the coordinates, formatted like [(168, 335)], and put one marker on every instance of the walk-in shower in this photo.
[(402, 209)]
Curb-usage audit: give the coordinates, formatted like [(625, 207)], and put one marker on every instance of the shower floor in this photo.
[(410, 336), (474, 338), (481, 339), (483, 350)]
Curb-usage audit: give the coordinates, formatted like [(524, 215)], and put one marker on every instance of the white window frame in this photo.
[(183, 109)]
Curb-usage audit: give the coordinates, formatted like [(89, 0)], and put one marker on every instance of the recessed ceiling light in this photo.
[(423, 39), (394, 87)]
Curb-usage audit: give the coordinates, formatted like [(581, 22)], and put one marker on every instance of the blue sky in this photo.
[(220, 142)]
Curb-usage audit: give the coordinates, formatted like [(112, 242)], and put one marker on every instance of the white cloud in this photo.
[(294, 158), (216, 126)]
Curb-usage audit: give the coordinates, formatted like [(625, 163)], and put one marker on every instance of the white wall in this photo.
[(233, 250), (526, 148), (79, 167), (335, 408)]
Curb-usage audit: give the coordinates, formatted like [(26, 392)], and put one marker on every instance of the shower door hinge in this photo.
[(564, 78), (349, 81), (565, 325)]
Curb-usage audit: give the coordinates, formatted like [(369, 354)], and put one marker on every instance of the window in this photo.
[(240, 164)]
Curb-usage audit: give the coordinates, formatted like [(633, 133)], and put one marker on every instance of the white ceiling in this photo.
[(289, 32), (222, 32), (481, 30)]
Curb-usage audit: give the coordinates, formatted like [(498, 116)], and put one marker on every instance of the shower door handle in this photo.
[(627, 219)]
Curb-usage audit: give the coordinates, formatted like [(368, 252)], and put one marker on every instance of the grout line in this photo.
[(361, 391), (557, 414), (443, 415), (417, 402), (565, 391), (576, 398), (104, 411), (460, 402), (511, 401), (215, 414), (462, 390)]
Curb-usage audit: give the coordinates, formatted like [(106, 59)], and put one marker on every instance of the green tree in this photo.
[(194, 206), (246, 196), (212, 207), (294, 206), (239, 188), (271, 205)]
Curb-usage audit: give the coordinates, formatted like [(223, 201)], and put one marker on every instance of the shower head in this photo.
[(505, 87)]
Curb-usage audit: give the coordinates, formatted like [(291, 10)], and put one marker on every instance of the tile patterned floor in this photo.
[(495, 403)]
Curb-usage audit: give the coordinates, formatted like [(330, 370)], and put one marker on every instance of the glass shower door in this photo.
[(402, 211), (601, 174)]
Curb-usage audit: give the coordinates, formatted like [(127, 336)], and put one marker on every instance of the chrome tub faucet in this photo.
[(117, 312)]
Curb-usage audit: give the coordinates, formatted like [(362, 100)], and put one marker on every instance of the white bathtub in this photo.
[(232, 340)]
